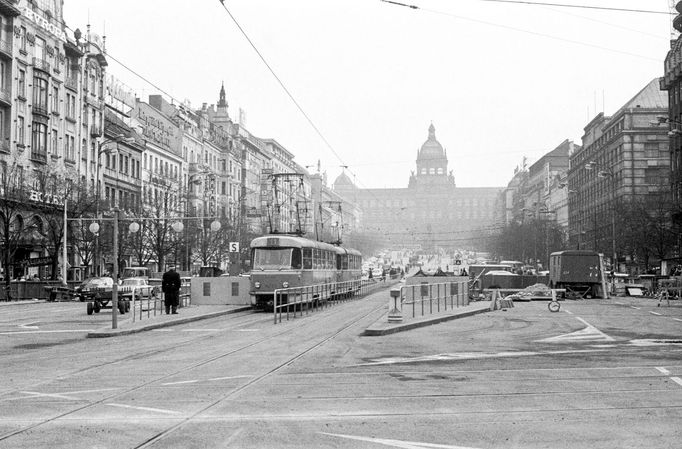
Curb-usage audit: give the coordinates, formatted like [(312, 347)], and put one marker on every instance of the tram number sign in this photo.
[(234, 247)]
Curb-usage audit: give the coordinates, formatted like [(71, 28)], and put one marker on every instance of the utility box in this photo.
[(221, 290)]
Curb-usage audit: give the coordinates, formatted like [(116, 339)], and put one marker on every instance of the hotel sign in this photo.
[(45, 24)]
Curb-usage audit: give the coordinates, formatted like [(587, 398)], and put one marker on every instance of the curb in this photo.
[(103, 333), (22, 302), (405, 327)]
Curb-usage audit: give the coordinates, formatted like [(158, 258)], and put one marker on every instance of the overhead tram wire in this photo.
[(563, 5), (286, 90), (307, 117), (520, 30)]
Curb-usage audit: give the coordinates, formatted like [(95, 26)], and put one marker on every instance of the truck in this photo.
[(579, 272)]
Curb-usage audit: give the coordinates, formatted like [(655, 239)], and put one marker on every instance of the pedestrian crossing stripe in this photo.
[(589, 333)]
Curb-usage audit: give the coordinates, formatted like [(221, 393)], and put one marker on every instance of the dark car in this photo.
[(95, 288)]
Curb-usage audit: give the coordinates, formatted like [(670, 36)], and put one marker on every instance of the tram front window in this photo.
[(272, 259)]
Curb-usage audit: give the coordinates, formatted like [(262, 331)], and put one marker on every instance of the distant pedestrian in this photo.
[(170, 286)]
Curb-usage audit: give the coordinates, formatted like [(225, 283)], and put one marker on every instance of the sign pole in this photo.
[(64, 256), (114, 288)]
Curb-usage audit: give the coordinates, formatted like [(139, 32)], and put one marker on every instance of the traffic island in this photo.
[(186, 315), (384, 327)]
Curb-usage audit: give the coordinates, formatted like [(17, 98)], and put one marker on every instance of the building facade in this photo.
[(432, 211), (622, 168)]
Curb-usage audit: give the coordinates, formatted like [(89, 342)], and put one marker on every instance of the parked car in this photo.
[(141, 286), (94, 288)]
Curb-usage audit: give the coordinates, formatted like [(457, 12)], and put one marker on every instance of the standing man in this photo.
[(171, 288)]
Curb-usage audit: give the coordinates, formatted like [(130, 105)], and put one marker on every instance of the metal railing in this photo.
[(153, 303), (296, 301), (427, 299)]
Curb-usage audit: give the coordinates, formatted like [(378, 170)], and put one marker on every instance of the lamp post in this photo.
[(608, 173), (190, 182)]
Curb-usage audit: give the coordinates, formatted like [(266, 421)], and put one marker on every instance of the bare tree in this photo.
[(14, 199), (61, 184)]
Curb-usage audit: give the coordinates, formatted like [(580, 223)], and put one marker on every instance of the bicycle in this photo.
[(554, 305)]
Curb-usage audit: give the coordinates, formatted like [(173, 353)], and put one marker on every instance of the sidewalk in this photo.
[(383, 327), (185, 315)]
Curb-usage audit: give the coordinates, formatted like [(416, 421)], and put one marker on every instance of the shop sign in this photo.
[(47, 198), (45, 24), (37, 261)]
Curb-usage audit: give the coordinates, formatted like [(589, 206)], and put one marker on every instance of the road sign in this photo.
[(234, 247), (458, 262)]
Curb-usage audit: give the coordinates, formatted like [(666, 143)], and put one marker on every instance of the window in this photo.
[(39, 141), (21, 129), (53, 143), (40, 48), (55, 99), (70, 106), (21, 83), (22, 42), (40, 94), (70, 152), (423, 171)]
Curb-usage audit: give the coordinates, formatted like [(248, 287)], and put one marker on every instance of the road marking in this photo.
[(568, 312), (677, 319), (655, 313), (633, 307), (677, 380), (204, 380), (619, 303), (48, 395), (201, 330), (246, 330), (663, 370), (470, 356), (28, 325), (589, 333), (163, 330), (651, 342), (47, 332), (146, 409), (396, 443)]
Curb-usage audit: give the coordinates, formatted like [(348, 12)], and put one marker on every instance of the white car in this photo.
[(141, 286)]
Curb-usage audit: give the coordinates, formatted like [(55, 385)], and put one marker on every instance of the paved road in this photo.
[(603, 374)]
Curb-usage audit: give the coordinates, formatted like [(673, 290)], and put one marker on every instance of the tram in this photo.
[(287, 261)]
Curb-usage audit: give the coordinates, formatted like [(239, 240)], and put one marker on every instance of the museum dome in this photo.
[(431, 149)]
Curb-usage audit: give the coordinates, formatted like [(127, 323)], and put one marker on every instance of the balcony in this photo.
[(41, 64), (6, 95), (95, 131), (6, 48), (71, 83), (39, 156), (41, 109)]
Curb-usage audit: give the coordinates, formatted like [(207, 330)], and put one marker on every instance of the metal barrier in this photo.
[(295, 301), (154, 302), (425, 298)]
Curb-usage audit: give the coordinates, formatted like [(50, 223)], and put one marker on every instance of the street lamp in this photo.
[(190, 182), (608, 173)]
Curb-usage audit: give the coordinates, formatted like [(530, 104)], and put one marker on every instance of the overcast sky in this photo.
[(498, 81)]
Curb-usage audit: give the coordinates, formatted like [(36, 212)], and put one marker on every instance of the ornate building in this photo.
[(431, 212)]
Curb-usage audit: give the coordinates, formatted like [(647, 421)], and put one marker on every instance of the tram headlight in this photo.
[(285, 284), (256, 284)]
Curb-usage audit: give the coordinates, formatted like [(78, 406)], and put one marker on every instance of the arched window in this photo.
[(432, 171), (440, 170), (38, 224), (423, 171)]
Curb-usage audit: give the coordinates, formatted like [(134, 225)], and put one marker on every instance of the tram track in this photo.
[(290, 327)]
